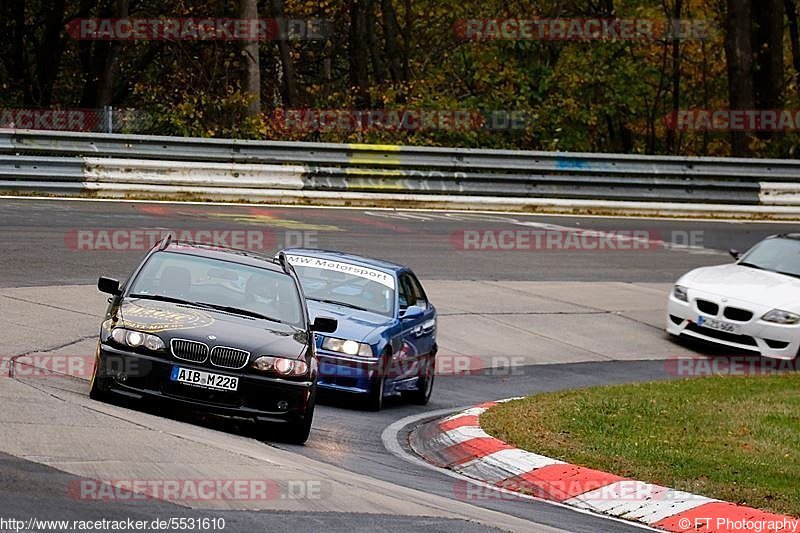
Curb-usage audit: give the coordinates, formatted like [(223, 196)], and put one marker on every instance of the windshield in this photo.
[(776, 255), (345, 284), (208, 282)]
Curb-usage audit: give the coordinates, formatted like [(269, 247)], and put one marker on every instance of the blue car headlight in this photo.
[(347, 347)]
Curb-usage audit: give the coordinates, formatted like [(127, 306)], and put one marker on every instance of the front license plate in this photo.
[(719, 325), (198, 378)]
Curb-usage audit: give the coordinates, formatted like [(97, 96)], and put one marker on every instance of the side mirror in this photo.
[(413, 311), (324, 324), (108, 286), (736, 254)]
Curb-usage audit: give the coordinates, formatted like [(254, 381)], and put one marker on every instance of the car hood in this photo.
[(746, 284), (177, 321), (353, 324)]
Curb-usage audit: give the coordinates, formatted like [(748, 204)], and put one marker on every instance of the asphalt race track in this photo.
[(564, 317)]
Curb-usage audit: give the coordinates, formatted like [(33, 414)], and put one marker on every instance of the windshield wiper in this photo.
[(240, 311), (162, 298), (751, 265), (336, 302)]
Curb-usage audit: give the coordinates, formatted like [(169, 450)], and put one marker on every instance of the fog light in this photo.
[(122, 376), (283, 405)]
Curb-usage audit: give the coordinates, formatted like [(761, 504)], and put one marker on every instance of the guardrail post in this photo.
[(109, 112)]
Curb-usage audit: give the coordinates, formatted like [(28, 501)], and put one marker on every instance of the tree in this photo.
[(768, 35), (739, 51), (357, 52), (288, 77), (676, 75), (251, 82), (768, 31), (794, 36), (100, 62)]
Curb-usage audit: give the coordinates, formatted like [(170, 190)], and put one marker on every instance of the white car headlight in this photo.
[(282, 366), (681, 293), (135, 339), (347, 347), (781, 317)]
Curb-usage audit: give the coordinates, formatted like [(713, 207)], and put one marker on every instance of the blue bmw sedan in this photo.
[(385, 342)]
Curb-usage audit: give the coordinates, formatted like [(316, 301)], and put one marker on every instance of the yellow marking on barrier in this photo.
[(366, 154), (377, 179), (377, 147)]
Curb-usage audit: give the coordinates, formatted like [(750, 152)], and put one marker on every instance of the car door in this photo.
[(417, 332), (425, 332)]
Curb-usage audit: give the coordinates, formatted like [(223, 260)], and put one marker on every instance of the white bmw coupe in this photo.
[(752, 304)]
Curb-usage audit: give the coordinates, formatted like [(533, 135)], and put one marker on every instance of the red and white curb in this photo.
[(459, 444)]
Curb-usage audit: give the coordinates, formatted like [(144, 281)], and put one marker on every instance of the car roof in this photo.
[(795, 236), (348, 258), (222, 253)]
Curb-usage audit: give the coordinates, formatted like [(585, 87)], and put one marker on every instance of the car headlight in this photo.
[(137, 339), (347, 347), (681, 293), (781, 317), (282, 366)]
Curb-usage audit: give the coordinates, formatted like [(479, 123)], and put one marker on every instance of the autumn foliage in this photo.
[(579, 94)]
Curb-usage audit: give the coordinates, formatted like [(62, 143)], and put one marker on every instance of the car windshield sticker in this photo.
[(363, 272), (148, 316)]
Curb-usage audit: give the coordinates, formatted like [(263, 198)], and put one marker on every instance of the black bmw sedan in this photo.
[(218, 330)]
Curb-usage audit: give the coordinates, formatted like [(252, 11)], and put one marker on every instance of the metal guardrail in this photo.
[(42, 174), (354, 168), (33, 142)]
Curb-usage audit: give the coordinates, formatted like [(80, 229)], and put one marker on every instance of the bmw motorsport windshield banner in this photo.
[(363, 272)]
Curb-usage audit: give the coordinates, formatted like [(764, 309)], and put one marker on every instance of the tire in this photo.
[(299, 430), (296, 431), (375, 396), (96, 391), (423, 395)]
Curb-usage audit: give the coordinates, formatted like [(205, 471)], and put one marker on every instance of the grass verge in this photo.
[(732, 438)]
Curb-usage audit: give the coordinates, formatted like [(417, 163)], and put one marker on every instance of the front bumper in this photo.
[(146, 377), (359, 375), (347, 374), (776, 341)]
